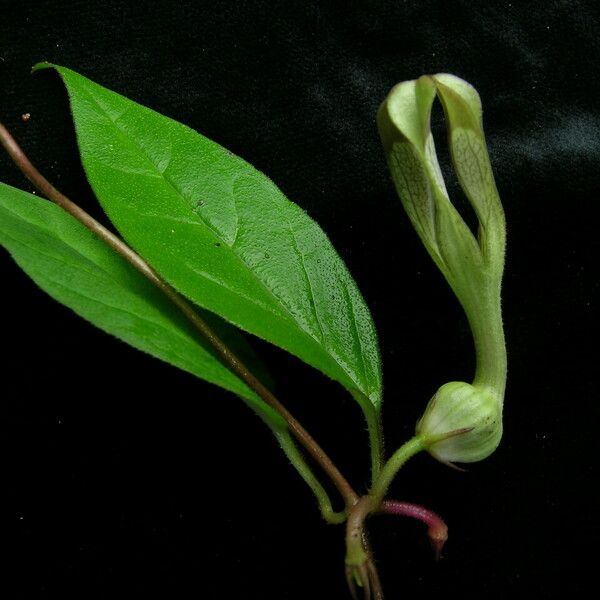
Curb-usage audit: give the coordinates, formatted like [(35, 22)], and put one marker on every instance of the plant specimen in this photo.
[(210, 246)]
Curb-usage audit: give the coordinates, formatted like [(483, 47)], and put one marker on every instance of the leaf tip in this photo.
[(41, 66)]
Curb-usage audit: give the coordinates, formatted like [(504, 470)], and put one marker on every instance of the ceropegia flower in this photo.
[(471, 263)]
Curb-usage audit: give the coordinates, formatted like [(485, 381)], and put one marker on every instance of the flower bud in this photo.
[(462, 423)]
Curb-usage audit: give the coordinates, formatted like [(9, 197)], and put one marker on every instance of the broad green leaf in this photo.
[(224, 235), (73, 266)]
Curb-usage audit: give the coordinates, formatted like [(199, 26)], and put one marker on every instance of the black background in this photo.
[(125, 477)]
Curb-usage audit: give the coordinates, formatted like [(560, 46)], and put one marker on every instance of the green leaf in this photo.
[(73, 266), (224, 235)]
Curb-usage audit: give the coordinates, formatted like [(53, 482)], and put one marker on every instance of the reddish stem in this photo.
[(437, 529)]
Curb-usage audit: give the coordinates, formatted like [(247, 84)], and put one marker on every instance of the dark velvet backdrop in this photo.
[(124, 477)]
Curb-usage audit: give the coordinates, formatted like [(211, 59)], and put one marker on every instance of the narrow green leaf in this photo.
[(73, 266), (224, 235)]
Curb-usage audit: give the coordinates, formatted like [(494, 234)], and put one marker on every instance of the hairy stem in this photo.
[(375, 430), (295, 457), (227, 356), (361, 569), (437, 530), (393, 465)]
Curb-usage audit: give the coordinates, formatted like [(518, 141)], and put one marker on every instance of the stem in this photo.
[(227, 356), (373, 417), (356, 553), (295, 457), (361, 569), (437, 530), (377, 590), (358, 549), (393, 465)]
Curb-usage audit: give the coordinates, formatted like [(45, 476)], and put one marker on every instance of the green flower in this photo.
[(471, 263)]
